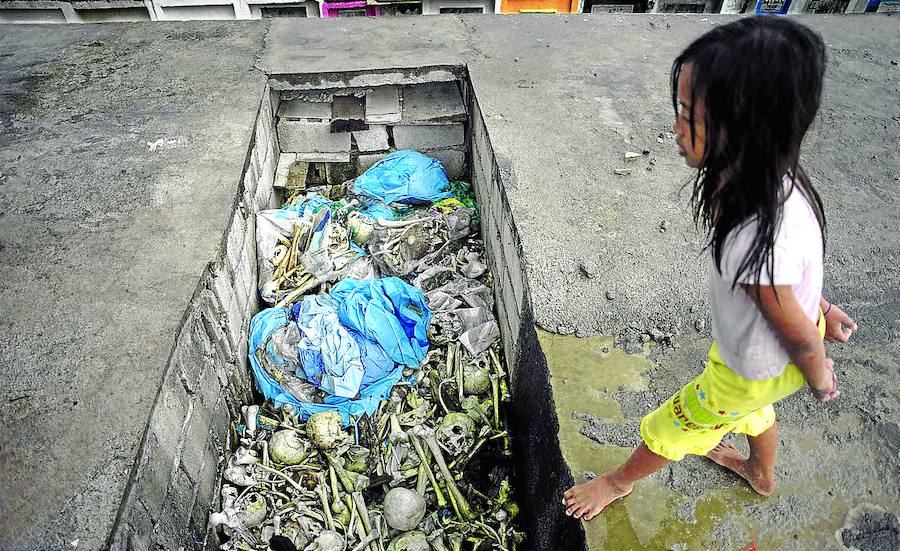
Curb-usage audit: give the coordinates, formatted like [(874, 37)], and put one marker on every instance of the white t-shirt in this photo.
[(746, 342)]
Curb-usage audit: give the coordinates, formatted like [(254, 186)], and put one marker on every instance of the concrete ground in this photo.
[(103, 238)]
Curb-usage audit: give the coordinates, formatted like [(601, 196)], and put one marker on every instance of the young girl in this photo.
[(744, 95)]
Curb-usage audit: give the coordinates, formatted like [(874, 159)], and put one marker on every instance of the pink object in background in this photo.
[(358, 8)]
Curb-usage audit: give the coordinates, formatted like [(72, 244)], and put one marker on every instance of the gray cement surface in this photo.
[(102, 242), (103, 239)]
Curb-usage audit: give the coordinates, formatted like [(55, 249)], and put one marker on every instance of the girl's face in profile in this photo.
[(691, 150)]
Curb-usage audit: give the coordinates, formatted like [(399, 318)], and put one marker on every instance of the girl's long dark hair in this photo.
[(760, 81)]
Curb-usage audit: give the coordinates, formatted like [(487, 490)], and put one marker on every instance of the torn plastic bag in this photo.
[(433, 277), (469, 291), (271, 355), (404, 176), (262, 352), (375, 210), (481, 337), (459, 223), (388, 311), (310, 204), (329, 355), (376, 362)]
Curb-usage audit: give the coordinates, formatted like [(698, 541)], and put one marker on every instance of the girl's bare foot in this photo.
[(588, 499), (728, 456)]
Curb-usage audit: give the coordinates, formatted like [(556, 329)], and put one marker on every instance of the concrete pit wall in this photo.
[(176, 480), (541, 473)]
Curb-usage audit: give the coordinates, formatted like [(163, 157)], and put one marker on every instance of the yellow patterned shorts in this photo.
[(717, 402)]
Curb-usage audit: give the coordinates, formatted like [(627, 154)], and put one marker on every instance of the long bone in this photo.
[(458, 500)]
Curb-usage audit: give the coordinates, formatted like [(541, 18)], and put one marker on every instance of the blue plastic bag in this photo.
[(373, 390), (388, 311), (405, 177), (310, 204), (329, 354)]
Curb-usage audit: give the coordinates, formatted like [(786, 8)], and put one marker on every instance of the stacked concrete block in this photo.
[(435, 136), (304, 127), (502, 245), (383, 105), (348, 113), (433, 122), (433, 103), (372, 140), (177, 474), (426, 117)]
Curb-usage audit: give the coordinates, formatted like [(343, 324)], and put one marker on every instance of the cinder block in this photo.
[(285, 160), (301, 108), (206, 494), (195, 440), (478, 174), (433, 102), (512, 252), (222, 287), (373, 139), (256, 159), (264, 127), (211, 317), (188, 356), (454, 161), (501, 316), (221, 420), (348, 113), (154, 477), (304, 136), (267, 169), (495, 208), (235, 240), (206, 482), (311, 157), (513, 311), (241, 292), (249, 185), (234, 324), (262, 199), (383, 105), (141, 524), (366, 161), (429, 137), (209, 387), (171, 529), (170, 411)]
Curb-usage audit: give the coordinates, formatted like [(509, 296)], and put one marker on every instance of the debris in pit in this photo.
[(382, 423)]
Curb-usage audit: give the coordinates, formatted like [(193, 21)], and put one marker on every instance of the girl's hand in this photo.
[(838, 325), (824, 395)]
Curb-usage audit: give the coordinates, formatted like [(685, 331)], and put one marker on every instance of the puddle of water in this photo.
[(585, 372)]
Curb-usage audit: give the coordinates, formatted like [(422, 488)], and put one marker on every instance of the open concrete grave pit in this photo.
[(223, 467)]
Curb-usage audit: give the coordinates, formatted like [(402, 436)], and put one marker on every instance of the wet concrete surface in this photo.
[(103, 244), (828, 463)]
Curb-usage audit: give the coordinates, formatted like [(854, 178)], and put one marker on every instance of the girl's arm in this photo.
[(798, 335), (838, 325)]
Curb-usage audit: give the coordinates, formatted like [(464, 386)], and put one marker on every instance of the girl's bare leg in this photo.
[(589, 499), (758, 469)]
